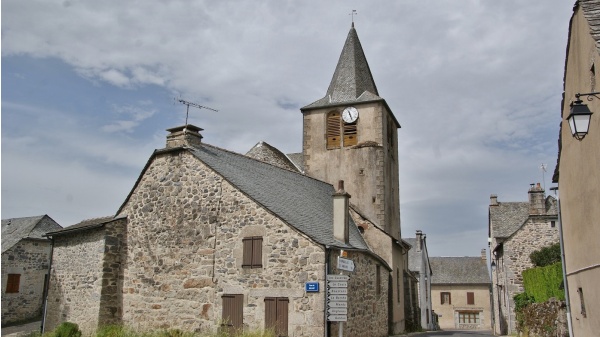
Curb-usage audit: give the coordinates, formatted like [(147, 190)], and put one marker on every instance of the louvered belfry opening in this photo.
[(333, 130), (338, 130), (233, 313), (276, 315)]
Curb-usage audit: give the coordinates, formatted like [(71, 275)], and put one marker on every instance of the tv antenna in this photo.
[(195, 105), (543, 169)]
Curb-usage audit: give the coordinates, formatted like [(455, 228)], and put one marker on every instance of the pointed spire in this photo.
[(352, 75)]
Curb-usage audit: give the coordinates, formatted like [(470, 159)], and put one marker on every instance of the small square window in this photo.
[(552, 224)]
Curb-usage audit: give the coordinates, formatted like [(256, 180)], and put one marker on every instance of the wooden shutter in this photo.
[(441, 298), (12, 283), (276, 315), (233, 313), (350, 134), (449, 298), (247, 259), (333, 130), (470, 298), (257, 252)]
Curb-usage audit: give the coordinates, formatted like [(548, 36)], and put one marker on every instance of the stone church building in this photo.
[(209, 239)]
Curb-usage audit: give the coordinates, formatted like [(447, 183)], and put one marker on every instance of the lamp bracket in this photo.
[(590, 96)]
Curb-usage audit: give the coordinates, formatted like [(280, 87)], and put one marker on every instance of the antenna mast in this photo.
[(195, 105)]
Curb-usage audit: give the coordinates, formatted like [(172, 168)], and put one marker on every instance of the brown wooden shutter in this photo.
[(470, 298), (333, 130), (350, 134), (233, 313), (441, 298), (276, 315), (247, 258), (282, 316), (257, 252), (12, 283), (449, 298)]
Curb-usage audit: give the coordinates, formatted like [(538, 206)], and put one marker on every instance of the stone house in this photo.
[(516, 229), (25, 261), (460, 292), (419, 266), (578, 171), (209, 239)]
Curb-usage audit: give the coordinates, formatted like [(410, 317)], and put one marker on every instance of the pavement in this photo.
[(21, 330)]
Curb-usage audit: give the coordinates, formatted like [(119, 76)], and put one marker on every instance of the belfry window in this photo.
[(340, 133)]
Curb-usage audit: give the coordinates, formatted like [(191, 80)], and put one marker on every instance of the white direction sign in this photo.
[(338, 291), (333, 277), (345, 264), (337, 284), (338, 297), (337, 318), (337, 304), (338, 311)]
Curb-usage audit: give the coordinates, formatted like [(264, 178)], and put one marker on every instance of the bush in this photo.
[(66, 329), (544, 282), (546, 256)]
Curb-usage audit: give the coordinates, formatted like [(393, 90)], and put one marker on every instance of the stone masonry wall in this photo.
[(30, 258), (367, 309), (76, 280), (184, 251), (111, 297)]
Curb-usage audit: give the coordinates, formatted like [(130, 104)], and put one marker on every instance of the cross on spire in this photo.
[(353, 13)]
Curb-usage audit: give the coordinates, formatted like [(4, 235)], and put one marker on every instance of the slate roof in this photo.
[(352, 80), (83, 225), (414, 257), (591, 11), (34, 227), (298, 160), (507, 218), (303, 202), (269, 154), (459, 270)]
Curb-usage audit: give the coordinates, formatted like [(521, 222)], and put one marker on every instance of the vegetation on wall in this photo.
[(542, 283), (546, 256)]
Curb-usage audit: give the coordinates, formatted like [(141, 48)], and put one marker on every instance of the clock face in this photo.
[(350, 115)]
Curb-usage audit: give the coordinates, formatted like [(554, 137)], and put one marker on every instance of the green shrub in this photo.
[(522, 300), (543, 283), (66, 329), (546, 256)]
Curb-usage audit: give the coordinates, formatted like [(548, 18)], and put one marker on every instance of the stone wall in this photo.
[(184, 251), (536, 233), (548, 319), (367, 309), (449, 312), (76, 280), (30, 259)]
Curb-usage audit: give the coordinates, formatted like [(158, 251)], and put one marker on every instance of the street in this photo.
[(458, 333)]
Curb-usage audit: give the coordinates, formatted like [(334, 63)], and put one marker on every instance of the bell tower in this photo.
[(351, 134)]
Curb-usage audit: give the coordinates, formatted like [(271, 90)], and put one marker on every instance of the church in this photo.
[(306, 244)]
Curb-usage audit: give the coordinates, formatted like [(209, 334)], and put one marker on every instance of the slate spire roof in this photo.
[(352, 80)]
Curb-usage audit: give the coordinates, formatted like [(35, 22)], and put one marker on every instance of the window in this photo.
[(552, 224), (582, 301), (333, 130), (252, 252), (470, 298), (377, 280), (337, 129), (12, 284), (445, 298), (276, 315), (468, 317), (233, 313), (398, 284)]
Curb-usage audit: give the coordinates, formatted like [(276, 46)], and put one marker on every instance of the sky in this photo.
[(89, 88)]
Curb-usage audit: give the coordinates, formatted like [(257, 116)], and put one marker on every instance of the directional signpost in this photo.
[(337, 299)]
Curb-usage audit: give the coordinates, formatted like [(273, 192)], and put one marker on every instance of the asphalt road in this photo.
[(457, 333)]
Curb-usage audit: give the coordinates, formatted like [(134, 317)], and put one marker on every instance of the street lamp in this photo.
[(579, 118)]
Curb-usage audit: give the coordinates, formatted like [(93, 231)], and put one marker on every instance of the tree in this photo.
[(546, 255)]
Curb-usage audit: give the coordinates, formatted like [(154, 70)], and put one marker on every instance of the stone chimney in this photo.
[(483, 254), (493, 200), (187, 135), (341, 202), (537, 200), (419, 246)]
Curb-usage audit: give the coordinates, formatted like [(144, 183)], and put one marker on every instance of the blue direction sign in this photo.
[(311, 287)]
